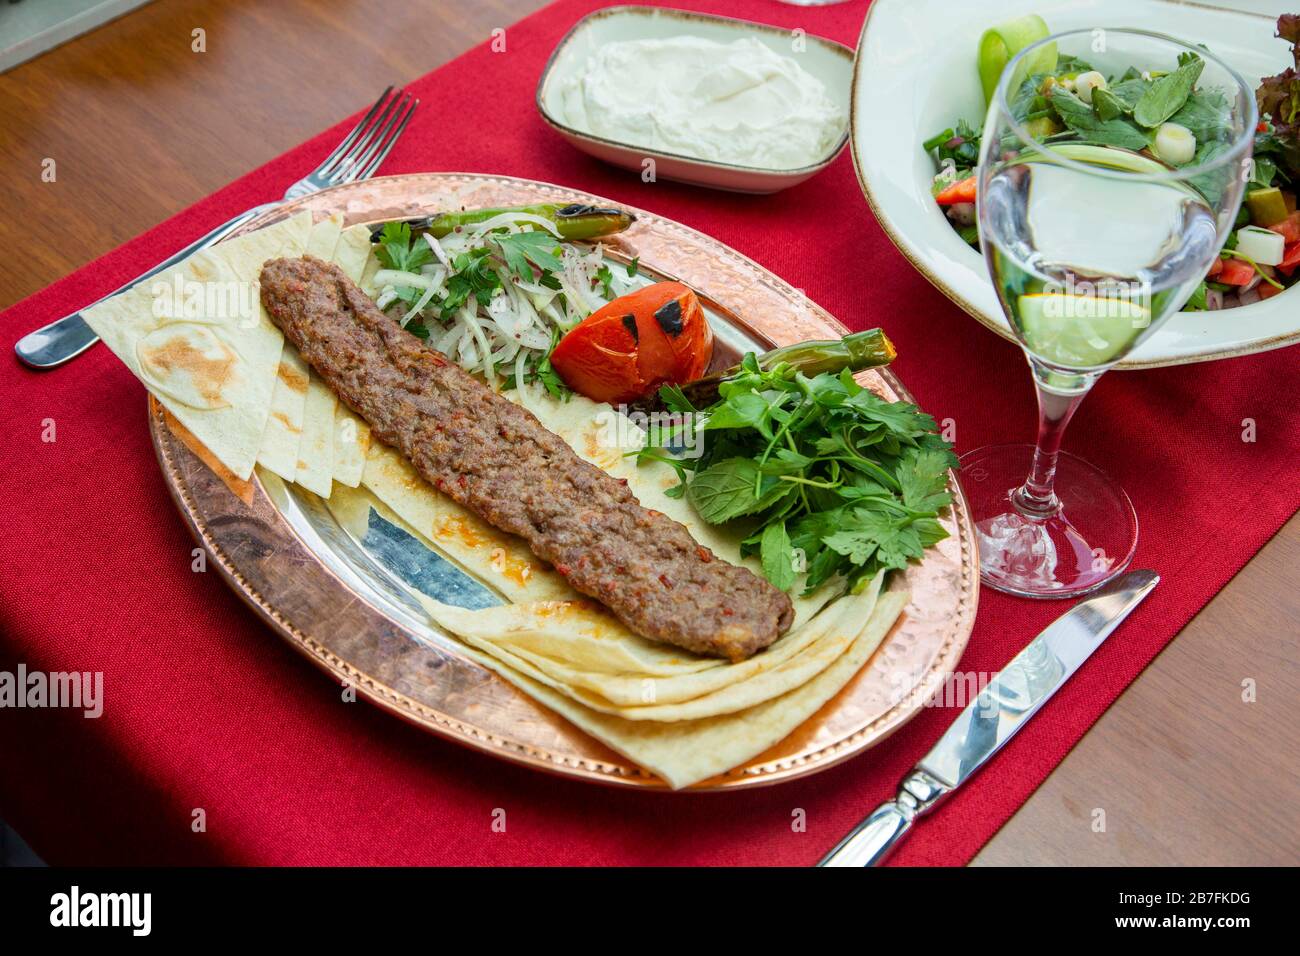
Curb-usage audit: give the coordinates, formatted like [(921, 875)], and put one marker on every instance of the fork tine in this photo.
[(360, 162), (383, 153), (347, 140), (349, 158), (361, 157)]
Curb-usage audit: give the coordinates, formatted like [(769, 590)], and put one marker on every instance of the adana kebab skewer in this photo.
[(496, 459)]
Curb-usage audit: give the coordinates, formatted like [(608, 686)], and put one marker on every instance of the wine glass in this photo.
[(1091, 245)]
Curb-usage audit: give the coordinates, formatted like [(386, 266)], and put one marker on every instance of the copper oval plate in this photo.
[(338, 601)]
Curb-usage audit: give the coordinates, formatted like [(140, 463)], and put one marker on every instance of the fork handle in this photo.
[(66, 338)]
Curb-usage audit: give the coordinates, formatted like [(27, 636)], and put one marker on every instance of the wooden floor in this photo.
[(1185, 771)]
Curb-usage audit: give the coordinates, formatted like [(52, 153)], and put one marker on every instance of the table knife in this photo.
[(68, 337), (994, 717)]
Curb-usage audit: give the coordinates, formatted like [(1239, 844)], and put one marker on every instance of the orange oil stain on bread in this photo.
[(476, 536), (597, 453), (458, 529), (208, 373), (243, 490), (295, 380)]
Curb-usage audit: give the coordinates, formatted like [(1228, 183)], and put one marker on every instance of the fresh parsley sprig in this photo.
[(397, 249)]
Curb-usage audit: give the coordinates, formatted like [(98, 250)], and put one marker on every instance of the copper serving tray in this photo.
[(284, 553)]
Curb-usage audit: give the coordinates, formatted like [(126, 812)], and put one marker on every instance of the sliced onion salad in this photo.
[(506, 339)]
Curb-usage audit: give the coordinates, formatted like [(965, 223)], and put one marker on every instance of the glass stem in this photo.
[(1059, 394)]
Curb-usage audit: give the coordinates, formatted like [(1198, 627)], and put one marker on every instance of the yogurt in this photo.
[(738, 103)]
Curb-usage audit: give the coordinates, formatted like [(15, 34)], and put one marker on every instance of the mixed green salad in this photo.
[(1165, 117)]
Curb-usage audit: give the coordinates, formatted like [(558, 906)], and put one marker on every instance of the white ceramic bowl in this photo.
[(915, 75), (830, 62)]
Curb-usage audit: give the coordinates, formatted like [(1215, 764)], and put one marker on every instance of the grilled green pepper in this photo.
[(573, 221), (855, 352)]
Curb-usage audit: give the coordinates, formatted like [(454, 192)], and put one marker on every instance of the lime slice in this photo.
[(999, 44), (1080, 331), (1109, 156)]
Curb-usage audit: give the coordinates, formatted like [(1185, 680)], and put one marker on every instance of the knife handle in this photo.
[(872, 840), (66, 338)]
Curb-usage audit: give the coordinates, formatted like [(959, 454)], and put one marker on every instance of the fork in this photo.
[(353, 160)]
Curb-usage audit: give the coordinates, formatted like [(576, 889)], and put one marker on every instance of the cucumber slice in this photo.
[(1000, 43), (1079, 331)]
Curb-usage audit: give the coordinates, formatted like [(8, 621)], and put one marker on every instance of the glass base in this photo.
[(1087, 540)]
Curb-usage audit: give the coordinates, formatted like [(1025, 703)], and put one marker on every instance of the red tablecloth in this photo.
[(206, 709)]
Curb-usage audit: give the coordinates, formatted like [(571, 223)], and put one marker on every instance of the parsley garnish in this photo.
[(521, 248), (397, 250), (834, 479), (606, 280), (475, 277)]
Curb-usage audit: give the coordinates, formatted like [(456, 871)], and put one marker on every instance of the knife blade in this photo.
[(995, 716)]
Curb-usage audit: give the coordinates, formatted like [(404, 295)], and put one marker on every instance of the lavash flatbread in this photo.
[(279, 448), (351, 438), (283, 434), (315, 463), (197, 337), (511, 633), (324, 237), (683, 753)]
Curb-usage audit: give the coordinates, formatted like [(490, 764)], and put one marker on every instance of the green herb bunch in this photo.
[(958, 147), (831, 478)]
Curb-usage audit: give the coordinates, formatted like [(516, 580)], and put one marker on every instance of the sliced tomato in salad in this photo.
[(1290, 259), (628, 348), (1288, 228), (1236, 272), (958, 192)]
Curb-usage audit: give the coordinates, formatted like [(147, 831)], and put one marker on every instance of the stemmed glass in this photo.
[(1090, 247)]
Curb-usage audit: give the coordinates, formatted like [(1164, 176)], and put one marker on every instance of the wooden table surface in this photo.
[(1186, 772)]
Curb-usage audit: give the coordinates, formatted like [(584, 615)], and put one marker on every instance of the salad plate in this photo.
[(345, 581), (914, 80)]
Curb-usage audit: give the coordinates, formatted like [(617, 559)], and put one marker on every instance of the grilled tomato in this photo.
[(625, 350)]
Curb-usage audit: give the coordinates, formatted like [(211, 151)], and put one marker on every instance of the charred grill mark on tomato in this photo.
[(629, 323), (493, 457), (669, 317)]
